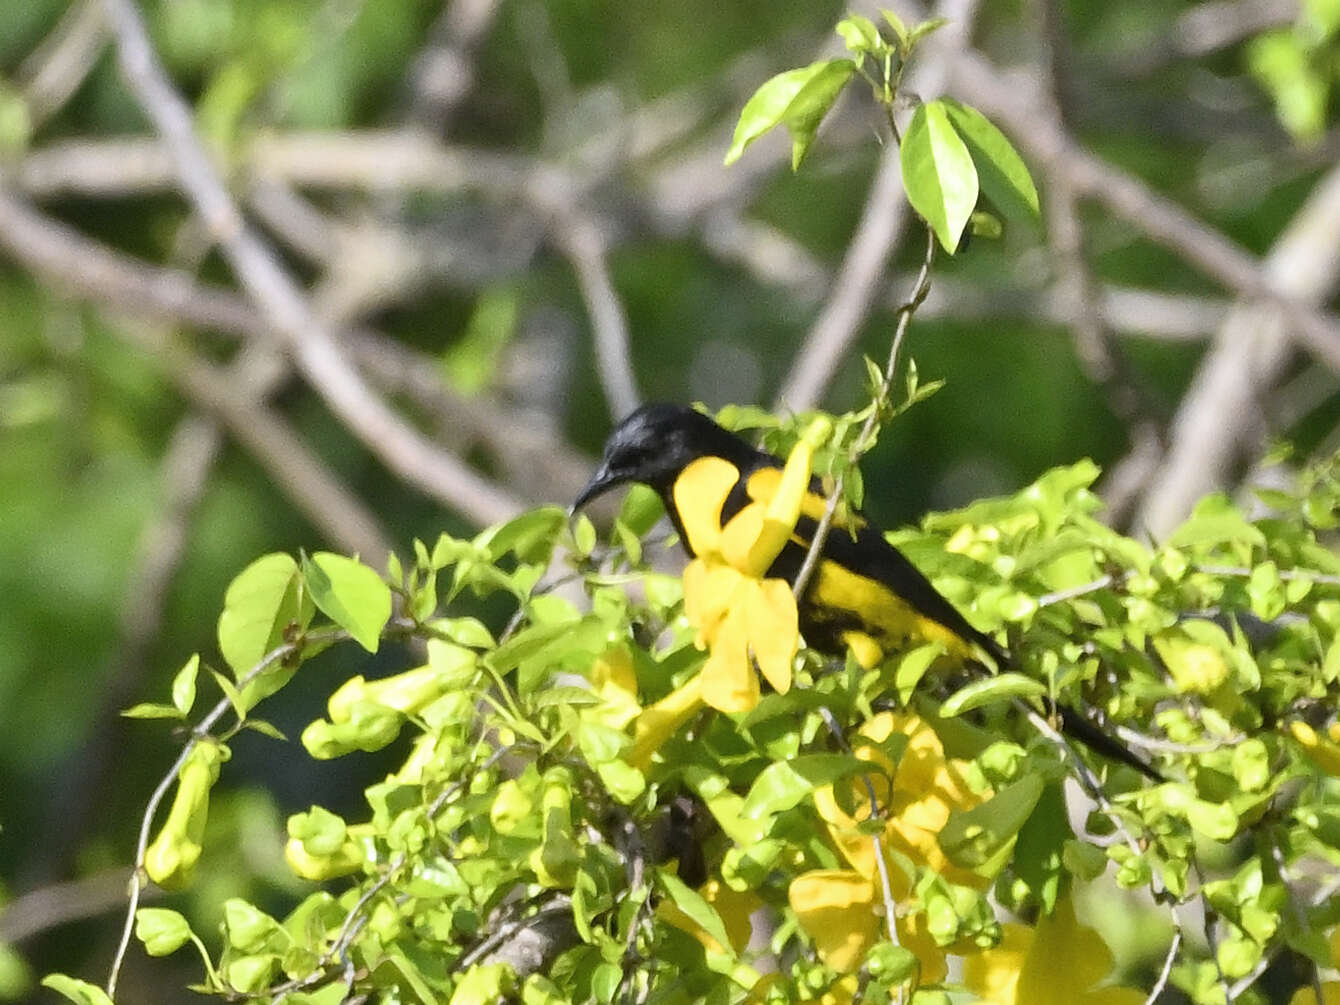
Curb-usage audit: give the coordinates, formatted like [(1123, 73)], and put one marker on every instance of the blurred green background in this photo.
[(421, 167)]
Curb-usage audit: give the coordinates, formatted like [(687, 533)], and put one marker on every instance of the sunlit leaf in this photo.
[(799, 99), (1002, 687), (350, 594), (938, 173)]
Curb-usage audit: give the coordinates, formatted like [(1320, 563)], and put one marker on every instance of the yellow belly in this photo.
[(885, 619)]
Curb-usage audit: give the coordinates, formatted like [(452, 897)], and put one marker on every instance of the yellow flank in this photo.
[(888, 621)]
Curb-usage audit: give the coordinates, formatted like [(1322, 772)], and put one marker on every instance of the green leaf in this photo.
[(912, 667), (152, 710), (1214, 820), (605, 981), (1002, 687), (692, 903), (784, 784), (972, 838), (896, 23), (79, 992), (183, 685), (860, 34), (923, 29), (351, 595), (248, 927), (260, 605), (640, 510), (799, 99), (530, 536), (938, 173), (233, 695), (583, 535), (162, 931), (983, 224)]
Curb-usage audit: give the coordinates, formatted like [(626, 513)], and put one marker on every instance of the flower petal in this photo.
[(773, 628), (699, 493), (757, 534), (710, 591), (660, 721), (836, 907), (729, 682)]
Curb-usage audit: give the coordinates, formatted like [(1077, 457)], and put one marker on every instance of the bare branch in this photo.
[(580, 238), (1013, 101), (49, 907), (1220, 419), (53, 71), (444, 72), (311, 344)]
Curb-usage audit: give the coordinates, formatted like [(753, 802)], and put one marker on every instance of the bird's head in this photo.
[(654, 444)]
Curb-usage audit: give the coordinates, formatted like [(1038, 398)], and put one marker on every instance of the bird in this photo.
[(864, 592)]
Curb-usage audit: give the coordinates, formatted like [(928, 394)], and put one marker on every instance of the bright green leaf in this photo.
[(162, 931), (912, 666), (1001, 172), (925, 28), (79, 992), (784, 784), (260, 605), (971, 838), (896, 23), (152, 710), (859, 34), (799, 99), (938, 173), (183, 685), (351, 595), (1002, 687), (692, 903)]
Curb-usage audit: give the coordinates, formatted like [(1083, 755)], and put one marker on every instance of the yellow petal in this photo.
[(993, 974), (759, 537), (660, 721), (867, 651), (729, 682), (710, 590), (773, 628), (836, 907), (841, 992), (1323, 752), (699, 493)]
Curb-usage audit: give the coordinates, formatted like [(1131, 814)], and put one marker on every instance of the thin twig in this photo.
[(199, 734), (856, 287), (866, 435), (1166, 971)]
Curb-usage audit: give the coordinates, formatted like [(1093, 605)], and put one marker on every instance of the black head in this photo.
[(655, 443)]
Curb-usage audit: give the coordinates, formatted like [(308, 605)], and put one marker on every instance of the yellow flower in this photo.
[(1324, 752), (1056, 963), (841, 909), (743, 618), (916, 798), (837, 907)]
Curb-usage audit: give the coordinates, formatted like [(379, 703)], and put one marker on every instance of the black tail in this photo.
[(1074, 725), (1081, 729)]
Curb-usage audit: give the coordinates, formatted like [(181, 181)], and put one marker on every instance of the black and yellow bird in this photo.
[(863, 590)]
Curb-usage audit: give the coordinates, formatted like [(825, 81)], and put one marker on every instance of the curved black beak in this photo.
[(601, 482)]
